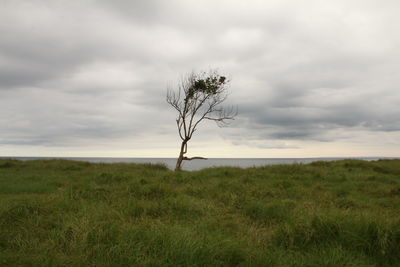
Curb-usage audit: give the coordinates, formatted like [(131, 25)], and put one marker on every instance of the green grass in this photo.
[(69, 213)]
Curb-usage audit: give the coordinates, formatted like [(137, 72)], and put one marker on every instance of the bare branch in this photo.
[(186, 158), (179, 123)]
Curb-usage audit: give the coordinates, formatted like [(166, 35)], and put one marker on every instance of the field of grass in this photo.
[(69, 213)]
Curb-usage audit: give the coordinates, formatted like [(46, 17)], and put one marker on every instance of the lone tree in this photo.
[(199, 97)]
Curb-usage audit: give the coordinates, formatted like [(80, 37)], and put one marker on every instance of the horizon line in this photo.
[(100, 157)]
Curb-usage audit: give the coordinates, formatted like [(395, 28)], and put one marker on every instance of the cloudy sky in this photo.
[(310, 78)]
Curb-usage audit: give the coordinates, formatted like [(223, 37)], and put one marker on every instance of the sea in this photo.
[(199, 164)]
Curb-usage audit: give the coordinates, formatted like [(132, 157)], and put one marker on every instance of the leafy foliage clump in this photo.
[(209, 85)]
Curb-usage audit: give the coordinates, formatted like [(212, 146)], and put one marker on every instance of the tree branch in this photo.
[(186, 158)]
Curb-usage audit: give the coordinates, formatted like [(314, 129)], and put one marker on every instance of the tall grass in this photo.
[(59, 212)]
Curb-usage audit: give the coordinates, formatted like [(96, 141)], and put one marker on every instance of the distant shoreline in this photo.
[(201, 164)]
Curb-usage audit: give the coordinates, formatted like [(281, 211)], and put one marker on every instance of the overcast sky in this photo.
[(89, 77)]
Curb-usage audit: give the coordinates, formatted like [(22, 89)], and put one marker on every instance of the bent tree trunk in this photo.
[(182, 157)]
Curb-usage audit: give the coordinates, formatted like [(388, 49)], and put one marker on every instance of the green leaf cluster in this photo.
[(209, 85)]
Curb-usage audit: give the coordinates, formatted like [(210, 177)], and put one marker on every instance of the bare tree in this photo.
[(199, 97)]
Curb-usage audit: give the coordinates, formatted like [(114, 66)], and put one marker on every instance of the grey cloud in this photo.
[(143, 11), (98, 70), (316, 122)]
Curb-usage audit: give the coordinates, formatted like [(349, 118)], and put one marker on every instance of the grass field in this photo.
[(68, 213)]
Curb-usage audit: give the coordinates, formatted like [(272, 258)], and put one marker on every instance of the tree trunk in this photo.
[(180, 158)]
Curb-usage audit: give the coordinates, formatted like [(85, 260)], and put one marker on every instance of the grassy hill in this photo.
[(69, 213)]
